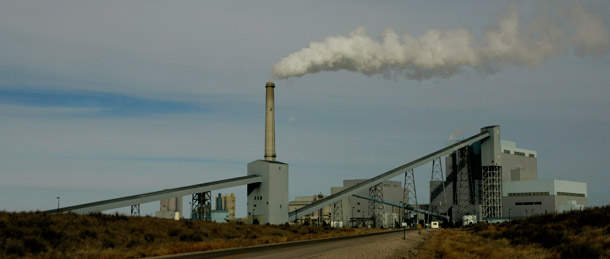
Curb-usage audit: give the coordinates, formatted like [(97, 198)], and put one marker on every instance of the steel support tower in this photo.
[(337, 214), (202, 206), (492, 191), (437, 175), (463, 184), (135, 210), (403, 213), (376, 209), (411, 193)]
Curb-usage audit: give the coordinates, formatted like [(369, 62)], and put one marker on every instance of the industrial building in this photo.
[(318, 217), (170, 208), (510, 190), (357, 211), (226, 202), (528, 198), (224, 210)]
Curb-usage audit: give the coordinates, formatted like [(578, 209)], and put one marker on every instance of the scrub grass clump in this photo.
[(575, 234), (38, 234)]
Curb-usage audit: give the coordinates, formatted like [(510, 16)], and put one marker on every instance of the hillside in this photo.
[(112, 236), (576, 234)]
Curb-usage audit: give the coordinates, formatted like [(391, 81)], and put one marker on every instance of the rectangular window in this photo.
[(519, 153), (571, 194), (516, 194), (528, 203), (531, 155), (507, 151)]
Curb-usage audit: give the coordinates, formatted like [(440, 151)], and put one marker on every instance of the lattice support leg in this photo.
[(135, 210)]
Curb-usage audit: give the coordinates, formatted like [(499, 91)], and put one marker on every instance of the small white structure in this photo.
[(170, 208), (569, 206), (469, 219)]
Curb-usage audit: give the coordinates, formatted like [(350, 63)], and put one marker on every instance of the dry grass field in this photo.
[(577, 234), (460, 243), (36, 234)]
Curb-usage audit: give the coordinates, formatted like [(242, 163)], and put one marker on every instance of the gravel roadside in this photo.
[(391, 247)]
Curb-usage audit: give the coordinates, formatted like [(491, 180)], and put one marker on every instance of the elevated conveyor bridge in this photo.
[(407, 207), (158, 195)]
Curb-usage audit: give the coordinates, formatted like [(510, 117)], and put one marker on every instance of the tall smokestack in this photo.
[(269, 123)]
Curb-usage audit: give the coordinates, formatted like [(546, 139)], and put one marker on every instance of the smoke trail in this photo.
[(456, 133), (440, 53)]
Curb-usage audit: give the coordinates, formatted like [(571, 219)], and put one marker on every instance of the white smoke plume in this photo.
[(456, 133), (557, 29)]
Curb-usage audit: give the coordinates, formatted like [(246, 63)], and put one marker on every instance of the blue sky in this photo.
[(101, 100)]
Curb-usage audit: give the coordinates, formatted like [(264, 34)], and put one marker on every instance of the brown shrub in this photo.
[(576, 234), (111, 236)]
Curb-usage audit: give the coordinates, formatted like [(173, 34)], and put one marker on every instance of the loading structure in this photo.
[(488, 140)]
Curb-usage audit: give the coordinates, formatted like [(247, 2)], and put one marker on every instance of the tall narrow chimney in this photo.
[(269, 123)]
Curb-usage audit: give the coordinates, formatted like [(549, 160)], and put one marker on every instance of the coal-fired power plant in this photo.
[(484, 173), (269, 123)]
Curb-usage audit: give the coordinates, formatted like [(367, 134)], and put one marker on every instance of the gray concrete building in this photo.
[(518, 164), (268, 200)]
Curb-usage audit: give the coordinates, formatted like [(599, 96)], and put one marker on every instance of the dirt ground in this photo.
[(391, 246)]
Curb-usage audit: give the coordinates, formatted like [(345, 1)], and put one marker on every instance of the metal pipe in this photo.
[(270, 123)]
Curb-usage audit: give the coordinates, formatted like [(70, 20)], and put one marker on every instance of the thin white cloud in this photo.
[(23, 110)]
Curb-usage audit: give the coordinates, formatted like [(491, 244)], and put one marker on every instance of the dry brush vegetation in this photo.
[(36, 234), (576, 234)]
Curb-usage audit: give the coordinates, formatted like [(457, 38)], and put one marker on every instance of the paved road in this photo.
[(306, 250)]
